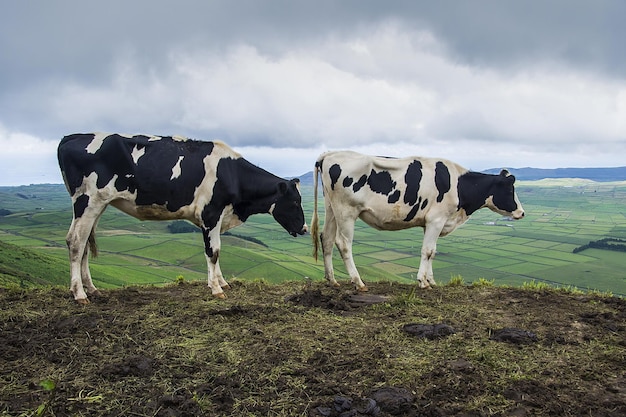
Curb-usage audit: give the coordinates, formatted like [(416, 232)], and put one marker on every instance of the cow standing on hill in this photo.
[(166, 178), (395, 194)]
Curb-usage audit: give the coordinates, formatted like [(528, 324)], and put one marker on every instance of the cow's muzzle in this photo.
[(304, 231)]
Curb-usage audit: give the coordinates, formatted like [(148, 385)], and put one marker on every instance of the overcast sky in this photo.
[(488, 84)]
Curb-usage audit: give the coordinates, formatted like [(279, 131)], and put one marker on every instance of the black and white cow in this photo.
[(166, 178), (395, 194)]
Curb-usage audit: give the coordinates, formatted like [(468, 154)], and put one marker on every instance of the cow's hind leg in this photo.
[(327, 238), (77, 242), (85, 274)]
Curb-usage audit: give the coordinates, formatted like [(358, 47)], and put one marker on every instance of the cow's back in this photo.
[(160, 171)]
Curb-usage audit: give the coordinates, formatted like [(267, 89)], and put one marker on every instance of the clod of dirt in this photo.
[(362, 300), (178, 406), (311, 298), (393, 400), (515, 336), (132, 366), (428, 331), (460, 365)]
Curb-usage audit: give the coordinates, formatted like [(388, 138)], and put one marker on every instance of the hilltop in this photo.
[(303, 349)]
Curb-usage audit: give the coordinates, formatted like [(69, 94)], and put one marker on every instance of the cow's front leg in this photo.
[(425, 276), (344, 239), (212, 253), (220, 277)]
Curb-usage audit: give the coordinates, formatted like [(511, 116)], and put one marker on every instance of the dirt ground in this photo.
[(303, 349)]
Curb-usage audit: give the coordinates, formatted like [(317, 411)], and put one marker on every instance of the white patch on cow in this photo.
[(96, 143), (204, 192), (137, 153), (176, 170), (154, 138), (229, 219), (179, 138), (271, 210)]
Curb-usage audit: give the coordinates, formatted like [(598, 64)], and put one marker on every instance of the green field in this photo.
[(561, 215)]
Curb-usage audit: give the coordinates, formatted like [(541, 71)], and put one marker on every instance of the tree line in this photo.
[(608, 243), (182, 226)]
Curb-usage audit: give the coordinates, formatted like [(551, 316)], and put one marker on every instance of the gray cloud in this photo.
[(540, 80)]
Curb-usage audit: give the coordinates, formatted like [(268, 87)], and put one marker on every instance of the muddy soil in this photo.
[(300, 349)]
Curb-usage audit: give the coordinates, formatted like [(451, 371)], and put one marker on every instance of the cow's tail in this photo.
[(93, 247), (315, 227)]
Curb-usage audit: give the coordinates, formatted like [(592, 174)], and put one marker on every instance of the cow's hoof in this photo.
[(226, 287), (82, 301), (96, 293), (220, 295), (362, 289)]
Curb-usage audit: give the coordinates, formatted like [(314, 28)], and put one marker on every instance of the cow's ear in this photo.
[(505, 173), (283, 187)]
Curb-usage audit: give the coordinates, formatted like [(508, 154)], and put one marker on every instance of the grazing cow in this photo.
[(395, 194), (166, 178)]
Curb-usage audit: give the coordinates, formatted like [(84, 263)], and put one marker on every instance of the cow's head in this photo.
[(502, 197), (287, 210)]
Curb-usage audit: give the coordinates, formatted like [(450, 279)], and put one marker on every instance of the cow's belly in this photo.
[(152, 211), (392, 220)]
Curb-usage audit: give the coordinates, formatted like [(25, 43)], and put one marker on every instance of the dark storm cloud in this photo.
[(538, 82)]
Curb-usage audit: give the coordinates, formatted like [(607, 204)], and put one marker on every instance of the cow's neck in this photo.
[(473, 188), (257, 190)]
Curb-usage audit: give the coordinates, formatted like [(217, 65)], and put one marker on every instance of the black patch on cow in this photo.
[(360, 183), (442, 180), (213, 255), (394, 197), (151, 177), (413, 177), (412, 213), (347, 181), (381, 182), (154, 181), (81, 205), (334, 172), (424, 204)]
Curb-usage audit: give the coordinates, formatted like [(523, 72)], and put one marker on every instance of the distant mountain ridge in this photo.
[(594, 174), (534, 174)]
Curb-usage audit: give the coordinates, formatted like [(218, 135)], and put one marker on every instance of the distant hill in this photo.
[(533, 174), (25, 267), (594, 174)]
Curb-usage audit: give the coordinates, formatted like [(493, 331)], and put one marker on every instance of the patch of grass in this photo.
[(482, 282), (456, 281)]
